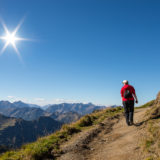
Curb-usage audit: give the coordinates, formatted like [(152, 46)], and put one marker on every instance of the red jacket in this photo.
[(130, 88)]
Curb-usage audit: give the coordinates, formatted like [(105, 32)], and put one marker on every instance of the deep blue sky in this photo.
[(82, 50)]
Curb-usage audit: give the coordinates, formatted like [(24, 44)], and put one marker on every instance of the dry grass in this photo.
[(148, 104), (151, 141)]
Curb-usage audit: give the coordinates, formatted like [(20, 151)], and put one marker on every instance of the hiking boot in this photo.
[(131, 123), (128, 124)]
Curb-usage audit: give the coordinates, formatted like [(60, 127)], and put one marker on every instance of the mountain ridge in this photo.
[(80, 108), (15, 132), (20, 109)]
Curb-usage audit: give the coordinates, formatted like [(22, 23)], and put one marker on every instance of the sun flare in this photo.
[(10, 38)]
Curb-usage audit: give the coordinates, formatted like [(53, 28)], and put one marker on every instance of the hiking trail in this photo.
[(110, 140)]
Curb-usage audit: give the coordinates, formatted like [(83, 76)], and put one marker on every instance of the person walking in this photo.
[(128, 95)]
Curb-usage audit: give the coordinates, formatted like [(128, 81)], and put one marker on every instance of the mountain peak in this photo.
[(6, 102), (18, 102)]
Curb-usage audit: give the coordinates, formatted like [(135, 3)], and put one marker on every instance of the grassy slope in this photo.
[(151, 141), (148, 104), (48, 147)]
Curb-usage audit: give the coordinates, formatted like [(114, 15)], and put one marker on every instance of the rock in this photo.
[(158, 98), (155, 111)]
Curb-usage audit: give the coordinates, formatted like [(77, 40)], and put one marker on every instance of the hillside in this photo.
[(99, 136), (15, 132), (66, 117), (27, 113)]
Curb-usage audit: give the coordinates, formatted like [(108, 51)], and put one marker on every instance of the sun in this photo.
[(10, 38)]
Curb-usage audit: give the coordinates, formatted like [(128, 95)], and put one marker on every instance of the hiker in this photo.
[(128, 96)]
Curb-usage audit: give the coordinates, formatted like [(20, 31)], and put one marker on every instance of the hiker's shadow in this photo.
[(140, 123)]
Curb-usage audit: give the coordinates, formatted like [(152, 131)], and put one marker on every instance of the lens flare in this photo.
[(11, 38)]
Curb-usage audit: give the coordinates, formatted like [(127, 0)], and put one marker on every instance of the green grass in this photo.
[(149, 158), (49, 146), (148, 143), (152, 139), (150, 103)]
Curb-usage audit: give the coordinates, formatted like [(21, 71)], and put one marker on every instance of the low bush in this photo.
[(70, 129), (85, 121)]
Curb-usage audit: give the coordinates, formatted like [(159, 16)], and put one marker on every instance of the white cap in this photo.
[(125, 81)]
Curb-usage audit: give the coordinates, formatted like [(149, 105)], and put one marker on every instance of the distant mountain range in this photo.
[(15, 132), (22, 123), (80, 108), (17, 104), (21, 110), (26, 111)]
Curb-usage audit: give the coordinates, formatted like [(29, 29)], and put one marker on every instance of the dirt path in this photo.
[(111, 140)]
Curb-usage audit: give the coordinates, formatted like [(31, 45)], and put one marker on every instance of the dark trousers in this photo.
[(129, 111)]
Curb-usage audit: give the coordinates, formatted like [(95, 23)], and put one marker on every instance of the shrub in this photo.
[(70, 129), (85, 121), (148, 143)]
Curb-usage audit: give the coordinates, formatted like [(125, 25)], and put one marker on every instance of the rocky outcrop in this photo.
[(155, 110), (157, 101)]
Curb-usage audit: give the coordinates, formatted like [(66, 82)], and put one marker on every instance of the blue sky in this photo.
[(81, 50)]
